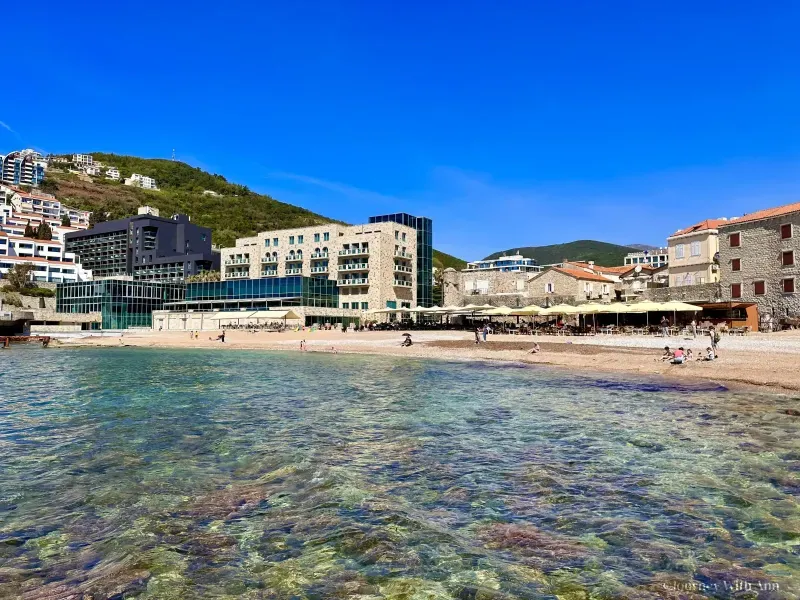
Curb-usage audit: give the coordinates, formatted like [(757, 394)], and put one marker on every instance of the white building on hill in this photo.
[(142, 181)]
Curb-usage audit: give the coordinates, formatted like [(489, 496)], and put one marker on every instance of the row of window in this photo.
[(760, 288), (735, 239), (694, 250), (354, 305), (787, 260), (300, 239)]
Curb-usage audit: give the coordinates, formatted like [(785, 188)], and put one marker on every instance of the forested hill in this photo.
[(232, 211), (602, 253)]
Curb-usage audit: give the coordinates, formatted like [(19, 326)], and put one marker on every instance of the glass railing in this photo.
[(402, 283), (319, 255), (403, 269), (237, 261), (354, 267), (269, 259), (271, 273), (294, 271), (294, 259), (237, 275), (353, 251), (319, 269), (401, 254), (360, 281)]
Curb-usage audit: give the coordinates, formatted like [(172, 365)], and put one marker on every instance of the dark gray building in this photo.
[(146, 247)]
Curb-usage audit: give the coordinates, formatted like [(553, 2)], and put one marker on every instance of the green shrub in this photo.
[(39, 292), (12, 299)]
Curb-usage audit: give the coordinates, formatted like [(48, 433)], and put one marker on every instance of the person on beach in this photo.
[(709, 355), (678, 357), (485, 331), (477, 335), (693, 326), (302, 345), (667, 354), (535, 349), (714, 336), (197, 335), (689, 354), (664, 326)]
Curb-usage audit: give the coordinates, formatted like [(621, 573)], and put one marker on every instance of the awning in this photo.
[(274, 314), (223, 316)]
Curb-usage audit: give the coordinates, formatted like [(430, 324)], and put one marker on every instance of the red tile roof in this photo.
[(767, 213), (27, 259), (597, 268), (701, 226), (579, 274)]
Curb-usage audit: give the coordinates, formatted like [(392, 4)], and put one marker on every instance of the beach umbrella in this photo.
[(530, 310), (406, 335), (500, 311), (676, 306), (560, 309)]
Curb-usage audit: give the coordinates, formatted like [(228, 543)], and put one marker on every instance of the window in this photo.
[(788, 286), (788, 258), (549, 288), (736, 264), (679, 251), (299, 239), (735, 240), (736, 290), (404, 236), (274, 241), (316, 237), (695, 249), (326, 236), (786, 231), (345, 305), (396, 234), (759, 288), (266, 243), (291, 240), (605, 288), (365, 306)]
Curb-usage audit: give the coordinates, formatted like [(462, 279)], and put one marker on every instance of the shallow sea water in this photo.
[(138, 473)]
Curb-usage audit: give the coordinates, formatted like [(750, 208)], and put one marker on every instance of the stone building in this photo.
[(570, 284), (758, 259)]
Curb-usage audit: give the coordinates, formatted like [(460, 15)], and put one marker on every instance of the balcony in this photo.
[(402, 283), (402, 254), (237, 275), (315, 255), (354, 252), (403, 269), (237, 261), (269, 259), (359, 281), (294, 258), (354, 267), (294, 271), (269, 273), (320, 269)]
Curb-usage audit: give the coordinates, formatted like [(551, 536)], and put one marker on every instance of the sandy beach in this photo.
[(765, 360)]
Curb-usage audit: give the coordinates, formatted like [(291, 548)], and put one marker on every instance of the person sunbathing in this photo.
[(535, 349), (668, 355)]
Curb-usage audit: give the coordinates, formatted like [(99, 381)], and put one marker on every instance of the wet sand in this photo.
[(766, 361)]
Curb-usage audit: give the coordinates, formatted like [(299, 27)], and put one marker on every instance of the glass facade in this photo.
[(270, 292), (122, 304), (424, 227)]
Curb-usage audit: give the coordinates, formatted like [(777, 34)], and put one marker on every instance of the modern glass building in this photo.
[(266, 293), (424, 227), (122, 303)]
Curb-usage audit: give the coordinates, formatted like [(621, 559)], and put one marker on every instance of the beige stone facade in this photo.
[(374, 265), (692, 254)]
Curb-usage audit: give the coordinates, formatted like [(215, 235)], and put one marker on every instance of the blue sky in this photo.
[(509, 123)]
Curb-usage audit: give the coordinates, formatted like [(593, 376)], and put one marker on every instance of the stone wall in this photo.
[(760, 252), (707, 292)]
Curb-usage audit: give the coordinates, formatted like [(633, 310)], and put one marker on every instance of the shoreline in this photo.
[(753, 369)]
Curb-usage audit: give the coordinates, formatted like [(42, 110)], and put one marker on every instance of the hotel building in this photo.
[(654, 258), (515, 263), (142, 181), (145, 247), (45, 205), (374, 266), (23, 167)]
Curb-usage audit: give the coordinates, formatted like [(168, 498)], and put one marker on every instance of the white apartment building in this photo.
[(654, 258), (515, 263), (142, 181), (51, 262), (374, 265), (112, 173), (23, 167), (92, 170), (45, 205), (82, 160)]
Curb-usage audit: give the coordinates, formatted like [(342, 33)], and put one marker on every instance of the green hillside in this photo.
[(236, 212), (602, 253)]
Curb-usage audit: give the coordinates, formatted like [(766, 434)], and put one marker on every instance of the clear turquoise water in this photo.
[(132, 473)]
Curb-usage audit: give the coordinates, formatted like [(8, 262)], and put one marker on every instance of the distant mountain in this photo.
[(231, 211), (643, 247), (602, 253)]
